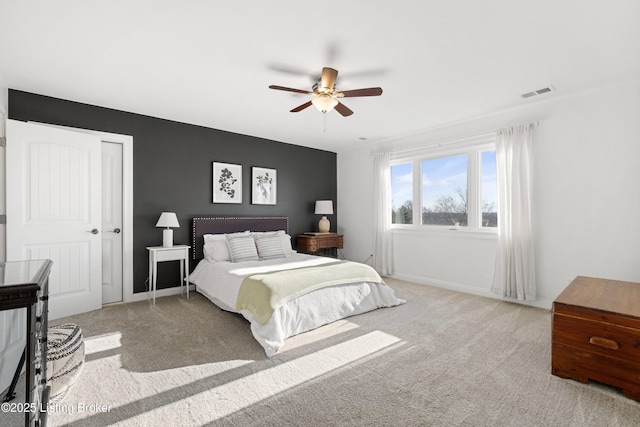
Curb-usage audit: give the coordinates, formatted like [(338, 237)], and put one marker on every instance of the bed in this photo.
[(246, 265)]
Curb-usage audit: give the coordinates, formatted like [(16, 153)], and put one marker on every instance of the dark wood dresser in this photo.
[(596, 333), (25, 284)]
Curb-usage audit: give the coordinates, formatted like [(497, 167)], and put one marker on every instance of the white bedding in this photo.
[(220, 283)]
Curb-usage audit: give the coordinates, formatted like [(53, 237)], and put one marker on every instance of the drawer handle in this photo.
[(604, 342)]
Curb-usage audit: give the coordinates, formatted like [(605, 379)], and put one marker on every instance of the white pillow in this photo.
[(286, 244), (216, 247), (242, 248), (269, 247)]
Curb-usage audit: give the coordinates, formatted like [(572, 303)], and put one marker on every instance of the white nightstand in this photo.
[(174, 253)]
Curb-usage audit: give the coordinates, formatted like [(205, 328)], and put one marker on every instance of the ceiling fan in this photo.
[(326, 96)]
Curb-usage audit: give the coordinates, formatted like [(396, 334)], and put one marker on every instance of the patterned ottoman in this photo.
[(65, 357)]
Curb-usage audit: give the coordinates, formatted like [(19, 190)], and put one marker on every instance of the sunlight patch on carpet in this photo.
[(104, 342), (249, 390), (326, 332)]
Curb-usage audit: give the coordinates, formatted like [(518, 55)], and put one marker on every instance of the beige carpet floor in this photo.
[(443, 359)]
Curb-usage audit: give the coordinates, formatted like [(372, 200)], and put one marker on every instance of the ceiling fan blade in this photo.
[(288, 89), (343, 109), (370, 91), (328, 78), (301, 107)]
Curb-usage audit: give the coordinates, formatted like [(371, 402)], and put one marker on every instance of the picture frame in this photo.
[(264, 186), (227, 183)]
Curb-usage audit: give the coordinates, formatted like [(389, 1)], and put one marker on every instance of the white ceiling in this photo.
[(210, 63)]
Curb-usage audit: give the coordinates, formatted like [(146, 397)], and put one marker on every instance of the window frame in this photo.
[(473, 147)]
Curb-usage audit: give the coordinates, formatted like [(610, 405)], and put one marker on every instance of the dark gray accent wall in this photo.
[(173, 168)]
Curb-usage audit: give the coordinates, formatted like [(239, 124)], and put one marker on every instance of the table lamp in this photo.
[(324, 207), (168, 220)]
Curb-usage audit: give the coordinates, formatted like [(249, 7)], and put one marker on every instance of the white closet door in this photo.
[(111, 222), (54, 210)]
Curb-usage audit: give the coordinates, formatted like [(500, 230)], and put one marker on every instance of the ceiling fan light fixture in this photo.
[(324, 103), (325, 94)]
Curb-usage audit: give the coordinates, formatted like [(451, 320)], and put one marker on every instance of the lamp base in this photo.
[(167, 238), (324, 225)]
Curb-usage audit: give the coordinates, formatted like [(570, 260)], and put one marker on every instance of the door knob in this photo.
[(116, 230), (94, 231)]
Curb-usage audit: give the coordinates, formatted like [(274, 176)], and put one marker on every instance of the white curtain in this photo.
[(383, 239), (514, 275)]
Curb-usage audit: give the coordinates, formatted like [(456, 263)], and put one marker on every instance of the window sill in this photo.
[(461, 232)]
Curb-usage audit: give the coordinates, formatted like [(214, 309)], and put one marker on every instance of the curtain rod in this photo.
[(442, 142)]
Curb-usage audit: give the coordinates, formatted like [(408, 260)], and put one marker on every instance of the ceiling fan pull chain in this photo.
[(324, 115)]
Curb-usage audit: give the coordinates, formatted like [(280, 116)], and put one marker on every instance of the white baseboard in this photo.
[(540, 303), (148, 295)]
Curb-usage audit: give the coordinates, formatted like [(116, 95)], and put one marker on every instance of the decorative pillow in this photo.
[(216, 247), (65, 358), (284, 238), (242, 248), (270, 247)]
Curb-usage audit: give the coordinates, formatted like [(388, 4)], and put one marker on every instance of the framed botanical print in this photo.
[(227, 183), (264, 185)]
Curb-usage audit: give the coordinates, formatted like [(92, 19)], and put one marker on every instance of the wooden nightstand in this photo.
[(315, 242), (173, 253)]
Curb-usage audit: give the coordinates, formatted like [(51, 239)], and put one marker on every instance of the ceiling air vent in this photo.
[(538, 92)]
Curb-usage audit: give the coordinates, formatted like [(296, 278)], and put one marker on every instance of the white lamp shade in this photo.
[(324, 207), (168, 219), (324, 103)]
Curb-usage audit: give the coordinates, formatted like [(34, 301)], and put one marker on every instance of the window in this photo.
[(489, 189), (444, 190), (402, 193), (453, 189)]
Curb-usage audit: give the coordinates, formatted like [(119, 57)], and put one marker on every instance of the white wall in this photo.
[(586, 198)]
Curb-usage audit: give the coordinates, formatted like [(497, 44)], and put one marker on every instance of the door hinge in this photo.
[(3, 141), (3, 219)]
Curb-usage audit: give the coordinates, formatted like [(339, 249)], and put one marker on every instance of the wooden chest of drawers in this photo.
[(596, 333), (314, 242)]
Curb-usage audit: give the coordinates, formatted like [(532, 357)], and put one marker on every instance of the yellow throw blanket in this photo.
[(263, 294)]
